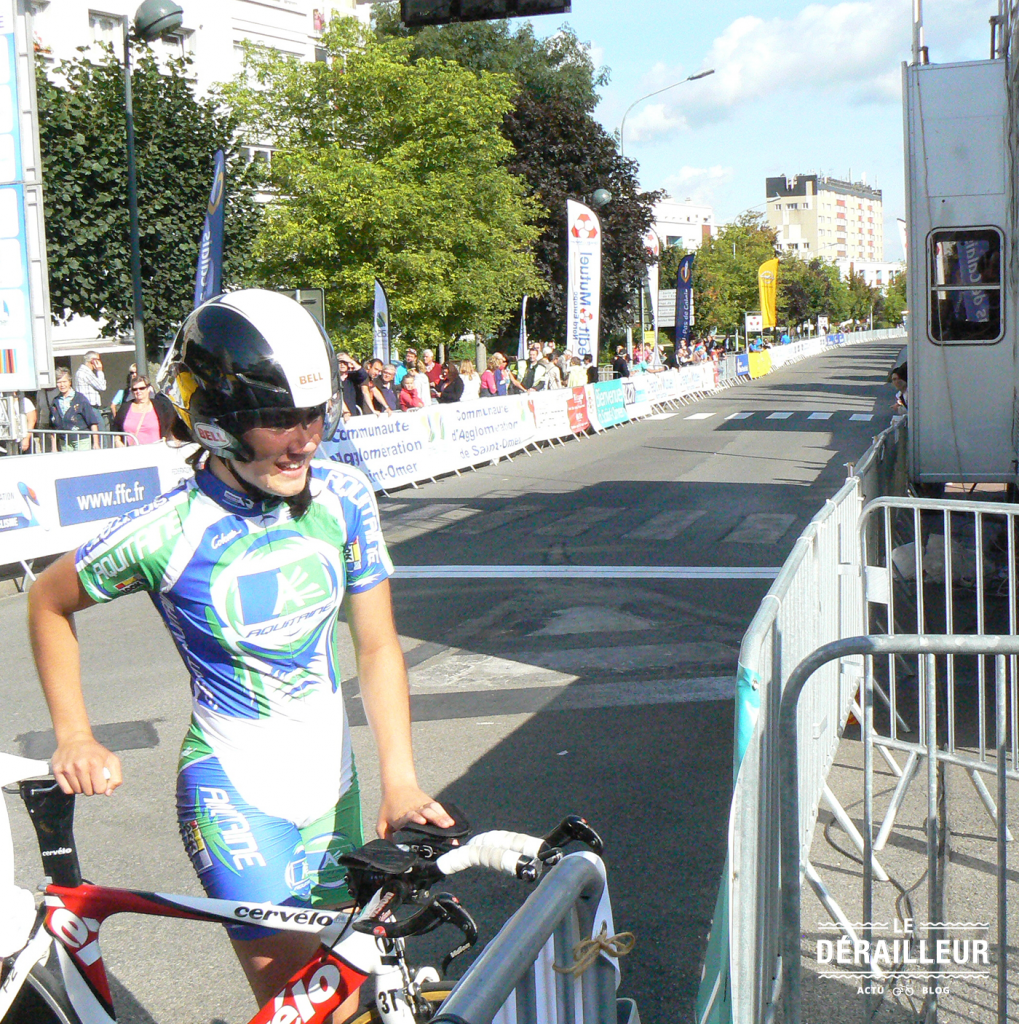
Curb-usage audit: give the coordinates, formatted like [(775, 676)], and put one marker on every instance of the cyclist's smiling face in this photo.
[(282, 455)]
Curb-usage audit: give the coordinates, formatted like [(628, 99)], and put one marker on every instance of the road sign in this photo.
[(754, 323), (313, 300)]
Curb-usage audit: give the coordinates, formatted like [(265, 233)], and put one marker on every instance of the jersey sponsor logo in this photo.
[(323, 854), (225, 830), (225, 538), (130, 585), (144, 538), (237, 500)]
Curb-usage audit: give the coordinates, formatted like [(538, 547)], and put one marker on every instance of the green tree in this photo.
[(808, 289), (894, 300), (863, 299), (82, 133), (560, 151), (725, 273), (393, 169)]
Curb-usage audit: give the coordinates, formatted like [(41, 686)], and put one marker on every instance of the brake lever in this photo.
[(575, 828), (454, 913)]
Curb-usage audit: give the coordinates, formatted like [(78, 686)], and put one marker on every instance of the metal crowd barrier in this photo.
[(815, 599), (513, 980), (931, 729), (48, 441)]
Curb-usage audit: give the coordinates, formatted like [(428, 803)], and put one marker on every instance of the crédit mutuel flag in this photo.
[(767, 285), (684, 298), (583, 279), (380, 324), (654, 249), (209, 275)]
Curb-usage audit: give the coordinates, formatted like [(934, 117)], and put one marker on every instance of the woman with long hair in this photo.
[(471, 379), (453, 388)]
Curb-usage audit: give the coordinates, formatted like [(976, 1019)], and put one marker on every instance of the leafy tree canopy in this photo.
[(395, 169), (561, 152), (82, 136), (725, 273), (894, 303)]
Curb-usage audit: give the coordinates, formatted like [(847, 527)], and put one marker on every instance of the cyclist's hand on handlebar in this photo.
[(409, 803), (85, 766)]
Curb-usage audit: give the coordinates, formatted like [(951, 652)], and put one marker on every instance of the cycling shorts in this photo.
[(242, 853)]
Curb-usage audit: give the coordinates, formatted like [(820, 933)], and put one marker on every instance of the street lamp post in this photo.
[(689, 78), (154, 18)]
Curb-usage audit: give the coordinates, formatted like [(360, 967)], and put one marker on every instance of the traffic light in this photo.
[(414, 13)]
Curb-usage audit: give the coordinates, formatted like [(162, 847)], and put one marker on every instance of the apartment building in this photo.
[(684, 224), (814, 215), (213, 33)]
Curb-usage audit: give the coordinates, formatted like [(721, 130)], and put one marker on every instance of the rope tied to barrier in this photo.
[(587, 951)]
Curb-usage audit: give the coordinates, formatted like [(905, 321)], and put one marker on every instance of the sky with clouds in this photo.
[(798, 88)]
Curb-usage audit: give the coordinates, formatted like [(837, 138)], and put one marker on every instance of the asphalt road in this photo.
[(534, 696)]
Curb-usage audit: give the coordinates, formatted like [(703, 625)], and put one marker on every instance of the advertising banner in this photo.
[(638, 397), (767, 286), (380, 324), (654, 248), (609, 403), (576, 409), (52, 503), (20, 212), (760, 364), (583, 279), (391, 450), (551, 416), (743, 364), (684, 298), (209, 275), (522, 337), (488, 428)]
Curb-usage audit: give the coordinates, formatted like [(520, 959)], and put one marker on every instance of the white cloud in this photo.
[(850, 50), (698, 184)]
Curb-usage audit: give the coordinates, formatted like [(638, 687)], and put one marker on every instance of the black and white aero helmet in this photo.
[(250, 358)]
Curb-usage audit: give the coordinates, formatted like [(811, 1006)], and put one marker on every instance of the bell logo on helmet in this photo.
[(212, 436), (309, 378)]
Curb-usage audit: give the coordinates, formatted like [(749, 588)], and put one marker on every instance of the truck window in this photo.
[(965, 286)]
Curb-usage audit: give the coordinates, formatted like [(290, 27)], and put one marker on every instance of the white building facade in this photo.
[(684, 224), (212, 34), (876, 273)]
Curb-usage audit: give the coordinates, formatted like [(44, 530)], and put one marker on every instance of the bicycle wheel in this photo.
[(434, 993), (42, 1000)]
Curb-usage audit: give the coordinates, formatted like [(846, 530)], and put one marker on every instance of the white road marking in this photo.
[(819, 416), (577, 523), (739, 416), (779, 415), (666, 525), (699, 416), (499, 518), (662, 416), (861, 417), (761, 528), (589, 572)]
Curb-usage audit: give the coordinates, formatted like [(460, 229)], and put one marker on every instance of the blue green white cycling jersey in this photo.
[(251, 598)]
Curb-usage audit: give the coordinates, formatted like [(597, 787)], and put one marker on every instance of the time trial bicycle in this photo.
[(391, 883)]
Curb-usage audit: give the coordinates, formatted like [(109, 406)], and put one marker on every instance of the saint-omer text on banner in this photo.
[(583, 289)]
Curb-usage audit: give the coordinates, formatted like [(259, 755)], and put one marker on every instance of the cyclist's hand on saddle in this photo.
[(85, 766), (409, 803)]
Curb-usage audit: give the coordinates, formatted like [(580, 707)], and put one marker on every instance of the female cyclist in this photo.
[(248, 564)]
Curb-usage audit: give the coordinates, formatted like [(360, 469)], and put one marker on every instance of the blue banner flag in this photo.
[(684, 298), (522, 339), (209, 275)]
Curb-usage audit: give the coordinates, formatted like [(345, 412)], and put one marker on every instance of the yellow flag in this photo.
[(767, 285)]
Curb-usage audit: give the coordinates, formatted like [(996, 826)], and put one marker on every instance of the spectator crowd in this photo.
[(77, 415)]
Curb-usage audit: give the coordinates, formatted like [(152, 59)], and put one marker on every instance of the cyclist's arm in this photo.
[(79, 760), (383, 677)]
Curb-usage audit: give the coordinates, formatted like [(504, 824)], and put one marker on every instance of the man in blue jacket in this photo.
[(72, 411)]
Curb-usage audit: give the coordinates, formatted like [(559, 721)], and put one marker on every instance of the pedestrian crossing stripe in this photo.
[(699, 416), (819, 416), (779, 415)]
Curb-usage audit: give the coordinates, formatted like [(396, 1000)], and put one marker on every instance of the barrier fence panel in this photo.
[(934, 717), (515, 981), (816, 598)]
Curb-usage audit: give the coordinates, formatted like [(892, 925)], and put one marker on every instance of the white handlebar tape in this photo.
[(529, 846), (497, 858)]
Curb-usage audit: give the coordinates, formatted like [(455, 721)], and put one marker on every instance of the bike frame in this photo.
[(74, 916)]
